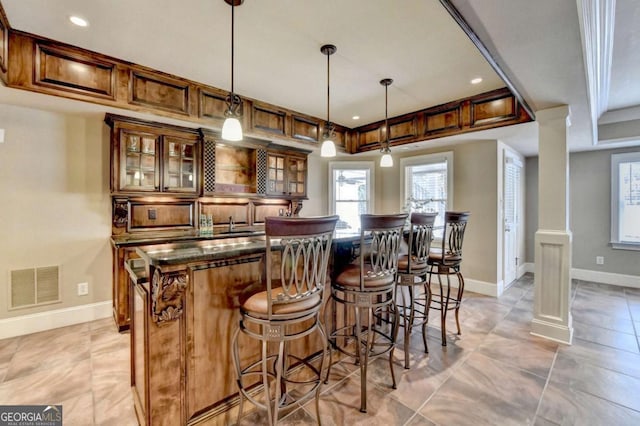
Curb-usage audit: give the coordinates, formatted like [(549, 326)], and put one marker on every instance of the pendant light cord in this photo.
[(386, 115), (233, 8), (328, 86)]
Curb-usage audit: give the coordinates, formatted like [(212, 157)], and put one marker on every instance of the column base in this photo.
[(552, 281), (552, 331)]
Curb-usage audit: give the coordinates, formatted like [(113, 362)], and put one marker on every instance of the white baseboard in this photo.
[(483, 287), (552, 331), (606, 277), (526, 267), (41, 321)]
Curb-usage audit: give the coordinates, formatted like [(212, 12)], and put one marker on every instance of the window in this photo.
[(625, 201), (350, 193), (427, 184)]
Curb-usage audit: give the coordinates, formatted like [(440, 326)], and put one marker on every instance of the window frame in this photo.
[(616, 159), (352, 165), (423, 160)]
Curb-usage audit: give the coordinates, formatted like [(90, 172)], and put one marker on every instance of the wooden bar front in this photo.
[(183, 319)]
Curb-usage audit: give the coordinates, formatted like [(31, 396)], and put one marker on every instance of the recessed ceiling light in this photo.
[(477, 80), (76, 20), (356, 117)]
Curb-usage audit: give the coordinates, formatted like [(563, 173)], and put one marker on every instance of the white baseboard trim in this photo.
[(552, 331), (483, 287), (606, 277), (41, 321), (526, 267)]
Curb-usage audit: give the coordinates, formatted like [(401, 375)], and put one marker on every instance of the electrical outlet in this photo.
[(83, 289), (599, 260)]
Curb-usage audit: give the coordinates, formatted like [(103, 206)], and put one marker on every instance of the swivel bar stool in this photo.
[(297, 255), (413, 272), (366, 290), (446, 260)]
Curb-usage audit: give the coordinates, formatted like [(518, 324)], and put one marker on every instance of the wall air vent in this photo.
[(34, 287)]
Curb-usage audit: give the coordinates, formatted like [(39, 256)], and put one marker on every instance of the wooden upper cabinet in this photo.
[(139, 161), (286, 174), (153, 158), (180, 160)]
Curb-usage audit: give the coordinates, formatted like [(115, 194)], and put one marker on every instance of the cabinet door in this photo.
[(180, 165), (139, 161), (296, 176), (276, 181)]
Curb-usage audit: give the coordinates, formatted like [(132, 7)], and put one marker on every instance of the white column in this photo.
[(551, 312)]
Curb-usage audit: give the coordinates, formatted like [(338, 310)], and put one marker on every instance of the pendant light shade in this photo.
[(328, 148), (232, 129), (386, 160)]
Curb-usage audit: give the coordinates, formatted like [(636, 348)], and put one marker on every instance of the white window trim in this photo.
[(426, 159), (616, 159), (344, 165)]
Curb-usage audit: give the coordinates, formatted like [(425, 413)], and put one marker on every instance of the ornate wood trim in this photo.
[(167, 295), (120, 212)]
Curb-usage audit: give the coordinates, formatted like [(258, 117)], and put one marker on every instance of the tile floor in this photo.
[(496, 373)]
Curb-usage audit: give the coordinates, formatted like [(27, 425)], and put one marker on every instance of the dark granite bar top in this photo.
[(178, 253), (164, 238)]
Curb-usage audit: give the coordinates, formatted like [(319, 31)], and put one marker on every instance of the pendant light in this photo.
[(328, 148), (232, 129), (386, 160)]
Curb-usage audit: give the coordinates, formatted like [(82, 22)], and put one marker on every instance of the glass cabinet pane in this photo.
[(179, 165), (139, 165)]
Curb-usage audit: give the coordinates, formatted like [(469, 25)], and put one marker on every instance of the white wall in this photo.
[(54, 183)]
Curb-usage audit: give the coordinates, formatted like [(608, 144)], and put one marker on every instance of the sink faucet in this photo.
[(232, 225)]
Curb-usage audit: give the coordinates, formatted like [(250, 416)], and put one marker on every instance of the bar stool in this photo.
[(413, 271), (366, 290), (446, 260), (297, 253)]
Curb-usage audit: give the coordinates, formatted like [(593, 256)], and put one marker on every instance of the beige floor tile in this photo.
[(48, 386), (341, 406), (564, 405), (597, 381), (602, 319), (50, 349), (533, 356), (603, 356), (485, 391), (419, 420), (78, 411), (603, 336)]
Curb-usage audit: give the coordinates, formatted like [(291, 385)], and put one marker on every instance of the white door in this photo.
[(511, 214)]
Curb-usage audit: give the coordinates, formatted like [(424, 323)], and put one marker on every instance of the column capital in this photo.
[(562, 112)]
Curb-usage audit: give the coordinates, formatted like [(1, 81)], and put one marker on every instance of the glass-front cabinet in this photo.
[(297, 174), (286, 175), (139, 169), (154, 160), (179, 165)]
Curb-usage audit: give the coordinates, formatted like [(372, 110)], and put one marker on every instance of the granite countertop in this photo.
[(178, 253), (164, 238)]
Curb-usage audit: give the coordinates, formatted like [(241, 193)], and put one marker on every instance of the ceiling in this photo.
[(415, 42)]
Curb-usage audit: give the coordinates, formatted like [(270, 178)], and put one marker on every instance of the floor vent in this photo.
[(34, 286)]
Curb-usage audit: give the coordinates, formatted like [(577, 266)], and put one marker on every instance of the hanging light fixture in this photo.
[(386, 160), (232, 129), (328, 148)]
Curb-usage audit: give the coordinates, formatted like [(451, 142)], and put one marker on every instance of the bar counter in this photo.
[(185, 300)]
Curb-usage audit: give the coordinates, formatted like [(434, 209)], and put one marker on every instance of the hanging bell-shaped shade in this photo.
[(232, 129), (328, 148), (386, 160)]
